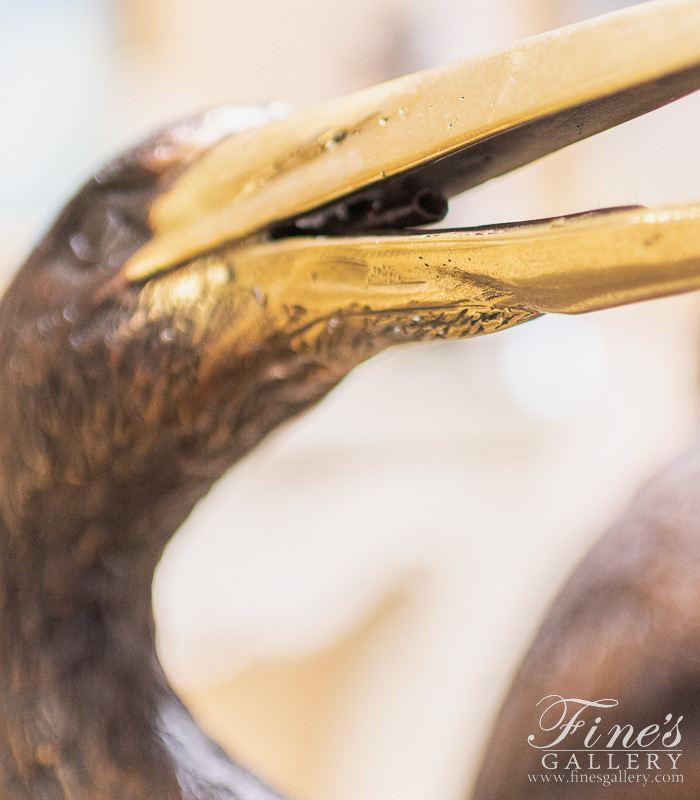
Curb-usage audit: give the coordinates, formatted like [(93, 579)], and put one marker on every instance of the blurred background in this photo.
[(345, 611)]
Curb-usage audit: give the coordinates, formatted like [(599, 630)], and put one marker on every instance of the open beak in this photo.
[(316, 208)]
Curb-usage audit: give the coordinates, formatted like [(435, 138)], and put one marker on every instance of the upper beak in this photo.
[(283, 199)]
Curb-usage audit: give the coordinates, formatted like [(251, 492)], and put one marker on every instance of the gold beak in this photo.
[(310, 206)]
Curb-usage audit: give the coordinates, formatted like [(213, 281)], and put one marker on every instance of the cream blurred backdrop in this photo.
[(345, 611)]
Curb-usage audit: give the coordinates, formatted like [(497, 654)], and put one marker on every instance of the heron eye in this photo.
[(105, 226), (82, 248)]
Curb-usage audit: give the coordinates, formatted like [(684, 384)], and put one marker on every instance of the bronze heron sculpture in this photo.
[(213, 283)]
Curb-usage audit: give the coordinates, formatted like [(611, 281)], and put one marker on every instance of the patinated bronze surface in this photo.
[(211, 284), (625, 627)]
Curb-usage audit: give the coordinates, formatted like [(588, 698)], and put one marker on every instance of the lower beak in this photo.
[(502, 275)]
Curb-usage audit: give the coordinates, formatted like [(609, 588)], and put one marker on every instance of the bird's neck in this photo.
[(85, 710)]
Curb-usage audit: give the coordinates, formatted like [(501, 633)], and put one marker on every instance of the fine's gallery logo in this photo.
[(582, 741)]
